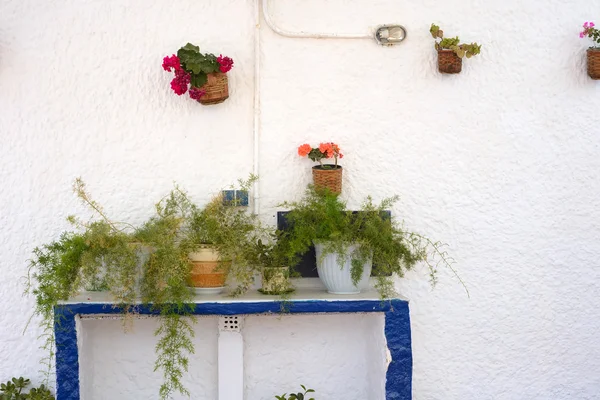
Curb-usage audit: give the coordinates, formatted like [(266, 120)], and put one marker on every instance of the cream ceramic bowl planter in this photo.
[(339, 280), (208, 272)]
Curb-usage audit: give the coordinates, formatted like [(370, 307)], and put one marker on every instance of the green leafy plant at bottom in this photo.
[(297, 396), (13, 390)]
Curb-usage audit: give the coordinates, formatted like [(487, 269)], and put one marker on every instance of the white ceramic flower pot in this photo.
[(339, 280)]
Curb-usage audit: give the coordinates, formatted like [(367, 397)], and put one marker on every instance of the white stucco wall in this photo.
[(501, 162)]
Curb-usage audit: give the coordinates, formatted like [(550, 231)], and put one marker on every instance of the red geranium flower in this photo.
[(225, 63)]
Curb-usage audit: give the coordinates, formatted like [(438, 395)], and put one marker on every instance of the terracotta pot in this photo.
[(217, 89), (593, 63), (328, 178), (208, 271), (275, 280), (449, 62)]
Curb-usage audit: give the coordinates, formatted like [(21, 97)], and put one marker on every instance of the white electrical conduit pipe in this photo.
[(275, 28), (256, 138), (386, 35), (269, 20)]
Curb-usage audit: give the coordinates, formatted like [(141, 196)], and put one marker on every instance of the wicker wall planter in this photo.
[(593, 63), (217, 89), (449, 62), (328, 178), (206, 274)]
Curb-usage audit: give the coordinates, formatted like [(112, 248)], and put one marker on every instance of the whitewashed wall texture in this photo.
[(501, 162)]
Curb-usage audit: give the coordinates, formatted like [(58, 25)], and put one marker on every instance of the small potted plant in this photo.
[(451, 52), (593, 53), (297, 396), (348, 243), (271, 256), (324, 175), (204, 74), (223, 233)]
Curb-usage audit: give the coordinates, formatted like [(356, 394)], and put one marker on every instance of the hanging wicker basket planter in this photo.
[(593, 63), (449, 62), (216, 88), (328, 176)]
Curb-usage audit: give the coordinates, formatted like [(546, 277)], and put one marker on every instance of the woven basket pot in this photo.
[(593, 63), (328, 178), (449, 62), (207, 269), (217, 89)]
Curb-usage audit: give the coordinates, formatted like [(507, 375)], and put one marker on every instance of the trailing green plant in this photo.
[(165, 287), (150, 262), (14, 390), (233, 231), (461, 50), (98, 254), (297, 396), (322, 217)]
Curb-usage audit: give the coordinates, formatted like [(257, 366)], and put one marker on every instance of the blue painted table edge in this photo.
[(397, 332)]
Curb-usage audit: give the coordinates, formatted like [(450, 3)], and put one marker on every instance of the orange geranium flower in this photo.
[(326, 149), (304, 150)]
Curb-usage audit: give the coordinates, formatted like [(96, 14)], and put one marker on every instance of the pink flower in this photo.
[(225, 63), (196, 93), (171, 62), (582, 35), (179, 84), (585, 25), (592, 25)]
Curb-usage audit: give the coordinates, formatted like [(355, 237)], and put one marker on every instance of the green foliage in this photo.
[(271, 251), (233, 231), (297, 396), (198, 65), (164, 286), (321, 217), (461, 50), (150, 261), (98, 255), (13, 390)]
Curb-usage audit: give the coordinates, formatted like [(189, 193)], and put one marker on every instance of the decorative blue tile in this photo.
[(228, 197), (241, 197)]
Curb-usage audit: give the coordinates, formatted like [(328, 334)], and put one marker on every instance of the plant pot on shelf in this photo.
[(216, 87), (449, 62), (208, 272), (276, 280), (593, 63), (339, 280), (328, 176)]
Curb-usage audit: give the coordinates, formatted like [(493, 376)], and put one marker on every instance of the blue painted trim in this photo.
[(398, 384), (397, 333), (67, 354)]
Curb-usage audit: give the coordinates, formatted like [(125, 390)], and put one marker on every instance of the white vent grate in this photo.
[(230, 323)]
